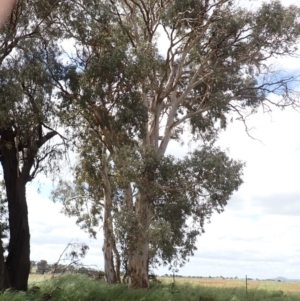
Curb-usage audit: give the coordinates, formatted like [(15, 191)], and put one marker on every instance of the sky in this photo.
[(257, 235)]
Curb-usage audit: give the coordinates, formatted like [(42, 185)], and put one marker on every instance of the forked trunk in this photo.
[(109, 267), (139, 257), (108, 244)]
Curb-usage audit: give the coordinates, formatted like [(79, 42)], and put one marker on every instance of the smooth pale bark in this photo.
[(117, 262), (109, 269), (139, 258), (109, 243), (108, 250), (138, 266)]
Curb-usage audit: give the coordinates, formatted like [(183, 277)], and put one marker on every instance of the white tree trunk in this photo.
[(139, 257), (109, 242)]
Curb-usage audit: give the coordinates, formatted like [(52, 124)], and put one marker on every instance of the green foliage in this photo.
[(27, 107), (83, 198), (42, 266), (101, 77)]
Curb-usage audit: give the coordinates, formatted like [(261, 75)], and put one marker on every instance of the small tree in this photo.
[(71, 256), (42, 267)]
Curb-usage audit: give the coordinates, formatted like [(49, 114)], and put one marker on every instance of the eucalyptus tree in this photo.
[(101, 102), (27, 122), (215, 63), (90, 196), (146, 72)]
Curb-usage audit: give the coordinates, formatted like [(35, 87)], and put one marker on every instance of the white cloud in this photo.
[(254, 4)]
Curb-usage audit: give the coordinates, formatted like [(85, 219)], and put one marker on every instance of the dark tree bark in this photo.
[(4, 281), (17, 172), (18, 259), (2, 265)]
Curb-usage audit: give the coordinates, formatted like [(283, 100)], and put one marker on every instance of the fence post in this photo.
[(246, 286)]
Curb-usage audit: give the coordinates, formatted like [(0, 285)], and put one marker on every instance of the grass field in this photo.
[(240, 283), (82, 288)]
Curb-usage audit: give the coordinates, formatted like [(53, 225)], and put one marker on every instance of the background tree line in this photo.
[(117, 99)]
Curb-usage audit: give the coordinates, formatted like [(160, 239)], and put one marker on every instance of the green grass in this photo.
[(82, 288)]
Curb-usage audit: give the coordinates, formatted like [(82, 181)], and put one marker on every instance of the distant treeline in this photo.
[(217, 277)]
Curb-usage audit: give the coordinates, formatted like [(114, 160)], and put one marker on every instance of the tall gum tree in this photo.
[(90, 197), (98, 88), (27, 115), (215, 66)]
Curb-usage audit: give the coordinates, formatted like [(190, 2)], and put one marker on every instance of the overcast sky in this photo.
[(258, 234)]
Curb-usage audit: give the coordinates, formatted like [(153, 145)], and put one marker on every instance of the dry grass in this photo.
[(286, 287), (232, 283), (210, 282), (36, 278)]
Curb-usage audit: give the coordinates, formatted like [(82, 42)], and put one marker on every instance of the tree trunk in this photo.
[(108, 244), (139, 257), (4, 281), (18, 261), (138, 266), (2, 265), (117, 262), (107, 249)]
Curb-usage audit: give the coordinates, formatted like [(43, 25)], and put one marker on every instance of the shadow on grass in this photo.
[(82, 288)]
